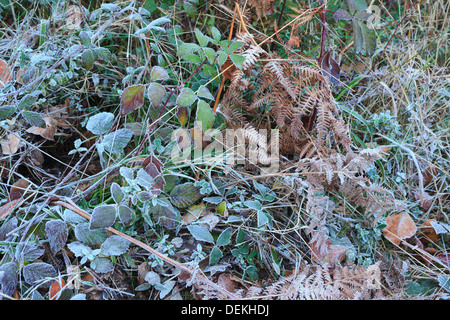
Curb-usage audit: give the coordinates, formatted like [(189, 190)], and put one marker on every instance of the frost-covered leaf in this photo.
[(156, 94), (116, 141), (8, 278), (33, 118), (7, 111), (185, 195), (100, 123), (200, 233), (117, 192), (57, 234), (399, 226), (6, 228), (88, 58), (90, 237), (131, 99), (27, 101), (103, 217), (187, 48), (104, 54), (202, 39), (115, 246), (224, 237), (342, 14), (79, 296), (165, 215), (85, 38), (79, 249), (237, 59), (205, 115), (186, 97), (203, 92), (102, 265), (125, 214), (35, 272), (157, 73), (182, 114), (110, 7), (215, 33), (165, 288), (72, 218), (215, 255), (152, 278), (28, 251)]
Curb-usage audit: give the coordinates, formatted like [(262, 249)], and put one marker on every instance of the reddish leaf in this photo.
[(18, 189), (5, 73), (7, 208), (154, 168), (327, 253), (56, 287), (425, 200), (132, 98), (444, 258), (429, 232), (399, 226), (330, 68)]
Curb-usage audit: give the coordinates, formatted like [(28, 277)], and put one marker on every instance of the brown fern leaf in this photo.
[(261, 7)]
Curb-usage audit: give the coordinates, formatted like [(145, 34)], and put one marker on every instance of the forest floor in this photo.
[(224, 150)]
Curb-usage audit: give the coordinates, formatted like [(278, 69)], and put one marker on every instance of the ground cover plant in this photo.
[(250, 149)]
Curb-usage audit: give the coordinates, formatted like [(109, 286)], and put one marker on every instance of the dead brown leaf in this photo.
[(11, 144), (56, 288), (18, 189), (429, 232), (332, 254), (8, 207), (399, 226), (5, 73), (48, 132)]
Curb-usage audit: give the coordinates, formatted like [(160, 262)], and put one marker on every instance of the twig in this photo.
[(72, 206)]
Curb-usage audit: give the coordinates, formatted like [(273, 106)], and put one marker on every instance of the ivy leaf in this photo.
[(158, 74), (103, 217), (100, 123), (132, 98), (115, 246), (215, 255), (186, 97), (205, 115), (57, 234), (156, 93), (90, 237), (116, 141), (200, 233), (185, 195), (35, 272)]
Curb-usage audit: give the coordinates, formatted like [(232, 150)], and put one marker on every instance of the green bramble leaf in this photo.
[(100, 123), (158, 74), (156, 93), (215, 255), (203, 92), (200, 233), (116, 141), (205, 115), (224, 237), (88, 58), (125, 214), (90, 237), (103, 217), (117, 192), (35, 272), (186, 97), (102, 265), (185, 195), (201, 38), (57, 234), (115, 246), (237, 59), (132, 99)]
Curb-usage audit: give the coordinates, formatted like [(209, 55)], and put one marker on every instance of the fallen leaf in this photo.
[(444, 258), (7, 208), (330, 68), (399, 226), (226, 281), (429, 232), (18, 189), (5, 73), (11, 144), (48, 132), (73, 17), (331, 253), (194, 213), (424, 199), (56, 288)]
